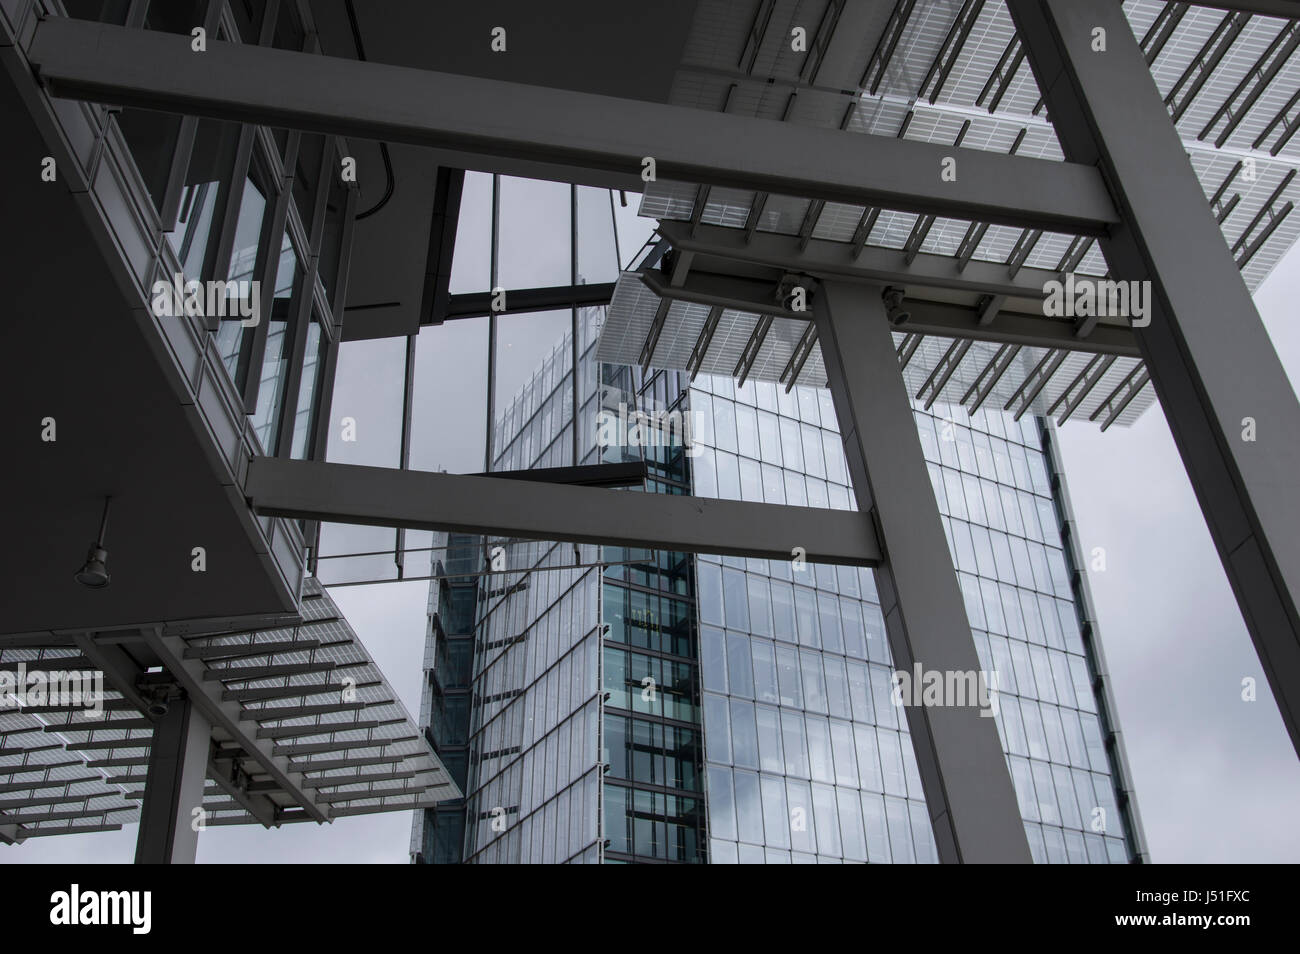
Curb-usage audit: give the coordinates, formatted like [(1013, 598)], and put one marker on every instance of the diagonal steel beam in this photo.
[(1231, 408), (968, 789), (218, 711)]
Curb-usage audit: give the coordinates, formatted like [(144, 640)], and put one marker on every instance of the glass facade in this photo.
[(807, 757), (534, 766), (654, 786), (739, 710), (438, 836)]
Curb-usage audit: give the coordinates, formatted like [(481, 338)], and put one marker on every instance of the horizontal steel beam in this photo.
[(1011, 327), (727, 291), (944, 319), (835, 260), (516, 123), (378, 496), (1269, 8), (626, 474), (479, 304)]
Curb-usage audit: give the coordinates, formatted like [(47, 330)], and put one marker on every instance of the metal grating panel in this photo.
[(1226, 76), (72, 771), (970, 381)]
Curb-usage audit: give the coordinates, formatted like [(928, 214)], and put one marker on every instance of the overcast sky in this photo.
[(1216, 778)]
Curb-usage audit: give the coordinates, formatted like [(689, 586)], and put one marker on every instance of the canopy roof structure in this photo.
[(948, 74), (312, 730)]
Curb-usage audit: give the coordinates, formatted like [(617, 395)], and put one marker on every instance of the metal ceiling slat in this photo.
[(909, 351), (1033, 375), (1024, 246), (1008, 53), (1069, 388), (889, 38), (1133, 392), (1087, 389), (750, 352), (1166, 23), (1280, 117), (757, 30), (652, 339), (1031, 393), (1227, 181), (938, 367), (810, 222), (1262, 77), (702, 343), (797, 360), (954, 44), (1264, 210), (821, 41), (1264, 235), (952, 364), (1228, 208), (1216, 47), (248, 650), (1134, 372), (999, 359)]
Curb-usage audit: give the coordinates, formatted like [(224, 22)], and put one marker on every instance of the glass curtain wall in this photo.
[(438, 835), (534, 774), (807, 759), (654, 789)]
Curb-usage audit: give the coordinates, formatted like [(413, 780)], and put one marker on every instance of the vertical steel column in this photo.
[(173, 788), (266, 269), (303, 300), (404, 454), (1230, 406), (492, 327), (170, 206), (573, 316), (968, 789)]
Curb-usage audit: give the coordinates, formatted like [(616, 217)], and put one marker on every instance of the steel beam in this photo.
[(742, 294), (943, 319), (523, 300), (1269, 8), (963, 769), (836, 260), (449, 186), (514, 127), (178, 769), (218, 710), (1229, 403), (385, 497), (623, 474)]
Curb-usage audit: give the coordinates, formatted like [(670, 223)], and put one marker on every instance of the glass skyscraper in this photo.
[(606, 704)]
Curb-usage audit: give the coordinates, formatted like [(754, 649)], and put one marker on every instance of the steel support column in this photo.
[(178, 768), (1230, 406), (968, 789)]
